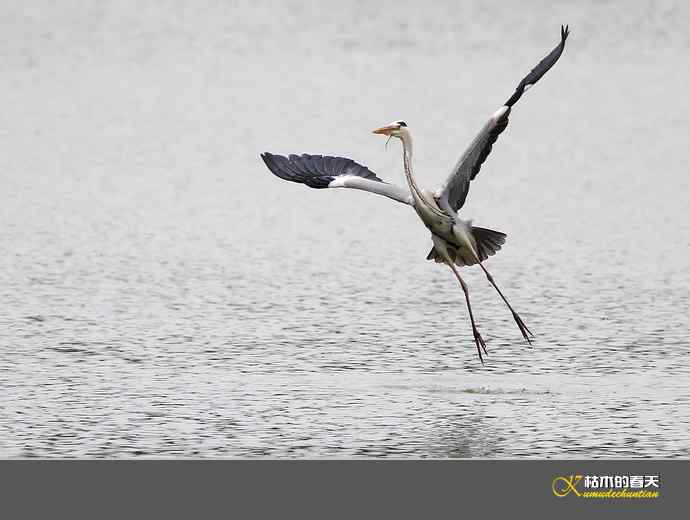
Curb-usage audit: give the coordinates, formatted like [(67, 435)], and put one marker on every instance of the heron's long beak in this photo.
[(384, 130)]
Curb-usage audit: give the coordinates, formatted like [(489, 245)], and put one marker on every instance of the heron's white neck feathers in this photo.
[(406, 139), (416, 192)]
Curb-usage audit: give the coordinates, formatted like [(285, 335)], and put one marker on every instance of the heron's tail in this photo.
[(488, 242)]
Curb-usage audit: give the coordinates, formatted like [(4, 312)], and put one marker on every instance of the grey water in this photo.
[(163, 295)]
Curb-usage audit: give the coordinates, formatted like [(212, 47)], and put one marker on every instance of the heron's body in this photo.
[(456, 242), (443, 223)]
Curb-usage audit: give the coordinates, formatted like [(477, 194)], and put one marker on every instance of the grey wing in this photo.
[(454, 192), (323, 171)]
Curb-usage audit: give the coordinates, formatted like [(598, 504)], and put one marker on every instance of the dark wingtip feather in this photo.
[(316, 171), (540, 69), (267, 158), (273, 163)]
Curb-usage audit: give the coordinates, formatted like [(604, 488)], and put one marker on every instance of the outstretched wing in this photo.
[(323, 171), (454, 192)]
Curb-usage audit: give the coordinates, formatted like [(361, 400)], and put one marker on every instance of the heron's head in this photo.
[(394, 129)]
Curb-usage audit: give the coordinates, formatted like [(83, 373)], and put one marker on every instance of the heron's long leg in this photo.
[(478, 340), (521, 325)]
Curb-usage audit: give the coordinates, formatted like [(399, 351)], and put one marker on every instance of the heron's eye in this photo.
[(402, 123)]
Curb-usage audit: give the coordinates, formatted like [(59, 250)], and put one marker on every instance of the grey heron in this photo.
[(456, 242)]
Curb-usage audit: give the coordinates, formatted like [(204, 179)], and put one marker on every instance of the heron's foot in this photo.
[(523, 328), (481, 344)]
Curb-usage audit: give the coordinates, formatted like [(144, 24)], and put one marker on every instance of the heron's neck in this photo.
[(406, 139), (419, 200)]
